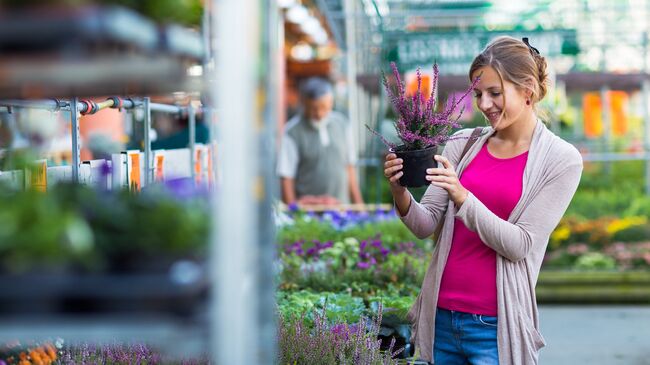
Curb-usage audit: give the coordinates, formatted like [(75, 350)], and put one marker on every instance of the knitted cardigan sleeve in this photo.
[(542, 213)]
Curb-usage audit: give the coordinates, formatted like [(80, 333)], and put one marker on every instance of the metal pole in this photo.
[(74, 118), (147, 142), (645, 88), (351, 65), (235, 311), (191, 115), (607, 127), (50, 104), (165, 108), (266, 240)]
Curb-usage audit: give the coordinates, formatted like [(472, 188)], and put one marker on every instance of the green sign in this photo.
[(454, 52)]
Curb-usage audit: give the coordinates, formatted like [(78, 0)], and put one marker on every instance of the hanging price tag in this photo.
[(133, 170), (159, 172), (38, 178)]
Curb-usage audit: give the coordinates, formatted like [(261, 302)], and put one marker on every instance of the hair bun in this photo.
[(542, 75)]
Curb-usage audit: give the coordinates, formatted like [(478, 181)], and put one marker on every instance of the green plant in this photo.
[(77, 227), (595, 261), (324, 344), (343, 254), (338, 307)]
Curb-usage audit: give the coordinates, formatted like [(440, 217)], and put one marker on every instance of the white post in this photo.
[(349, 7), (236, 311)]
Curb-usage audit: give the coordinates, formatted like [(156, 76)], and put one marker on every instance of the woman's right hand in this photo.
[(393, 171)]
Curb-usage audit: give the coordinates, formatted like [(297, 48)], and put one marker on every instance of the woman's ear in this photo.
[(530, 86)]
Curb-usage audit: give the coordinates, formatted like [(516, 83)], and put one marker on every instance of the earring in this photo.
[(527, 101)]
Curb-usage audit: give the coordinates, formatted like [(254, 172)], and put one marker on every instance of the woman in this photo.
[(498, 205)]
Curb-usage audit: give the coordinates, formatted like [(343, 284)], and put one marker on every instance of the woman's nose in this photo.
[(484, 103)]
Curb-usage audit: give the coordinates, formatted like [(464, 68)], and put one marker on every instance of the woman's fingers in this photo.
[(392, 166), (394, 179), (392, 170), (439, 171), (443, 160), (441, 178)]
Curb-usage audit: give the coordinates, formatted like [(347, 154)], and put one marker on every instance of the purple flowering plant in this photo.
[(419, 125)]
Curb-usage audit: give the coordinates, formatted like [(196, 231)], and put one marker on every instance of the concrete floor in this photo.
[(595, 335)]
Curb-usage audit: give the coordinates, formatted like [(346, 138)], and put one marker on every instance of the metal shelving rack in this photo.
[(86, 106)]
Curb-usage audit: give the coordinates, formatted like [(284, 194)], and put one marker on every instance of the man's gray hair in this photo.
[(315, 88)]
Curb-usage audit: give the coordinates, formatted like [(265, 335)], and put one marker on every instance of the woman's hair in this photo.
[(516, 62)]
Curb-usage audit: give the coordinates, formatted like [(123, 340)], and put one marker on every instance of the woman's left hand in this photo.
[(446, 178)]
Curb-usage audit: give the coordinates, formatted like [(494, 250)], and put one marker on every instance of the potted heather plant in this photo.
[(420, 127)]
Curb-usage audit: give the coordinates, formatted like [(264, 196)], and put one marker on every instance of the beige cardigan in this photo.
[(551, 177)]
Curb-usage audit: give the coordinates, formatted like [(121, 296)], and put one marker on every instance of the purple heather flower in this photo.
[(419, 125), (363, 265), (105, 169), (293, 207), (184, 188)]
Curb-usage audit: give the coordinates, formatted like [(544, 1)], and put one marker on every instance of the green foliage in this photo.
[(394, 305), (343, 254), (186, 12), (601, 176), (308, 229), (595, 261), (339, 308), (633, 234), (73, 226), (335, 270), (594, 204), (611, 189)]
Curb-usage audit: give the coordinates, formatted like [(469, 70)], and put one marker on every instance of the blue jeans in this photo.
[(465, 338)]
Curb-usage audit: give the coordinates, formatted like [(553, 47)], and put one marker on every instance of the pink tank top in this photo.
[(469, 278)]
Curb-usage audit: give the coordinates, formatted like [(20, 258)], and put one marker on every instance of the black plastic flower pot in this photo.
[(415, 165)]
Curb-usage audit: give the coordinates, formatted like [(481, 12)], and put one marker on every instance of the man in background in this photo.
[(317, 157)]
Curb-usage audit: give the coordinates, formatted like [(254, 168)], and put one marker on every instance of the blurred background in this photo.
[(140, 213)]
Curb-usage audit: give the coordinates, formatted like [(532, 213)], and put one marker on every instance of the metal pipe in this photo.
[(49, 104), (172, 109), (191, 116), (131, 104), (108, 103), (75, 141), (147, 141), (615, 156)]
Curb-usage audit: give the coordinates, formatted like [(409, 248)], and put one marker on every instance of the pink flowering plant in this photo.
[(418, 124)]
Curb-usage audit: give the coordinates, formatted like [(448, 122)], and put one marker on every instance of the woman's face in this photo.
[(489, 95)]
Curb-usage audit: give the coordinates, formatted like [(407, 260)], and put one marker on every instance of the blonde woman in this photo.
[(497, 204)]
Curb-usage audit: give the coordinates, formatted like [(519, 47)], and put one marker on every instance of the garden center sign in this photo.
[(455, 51)]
